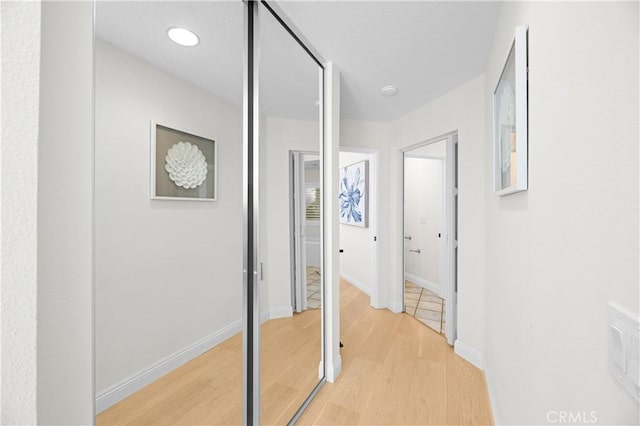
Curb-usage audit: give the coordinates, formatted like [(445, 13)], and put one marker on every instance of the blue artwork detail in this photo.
[(352, 194)]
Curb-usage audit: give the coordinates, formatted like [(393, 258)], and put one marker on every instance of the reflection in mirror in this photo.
[(290, 232), (168, 258)]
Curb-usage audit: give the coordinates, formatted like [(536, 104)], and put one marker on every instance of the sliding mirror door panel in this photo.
[(290, 247), (168, 212)]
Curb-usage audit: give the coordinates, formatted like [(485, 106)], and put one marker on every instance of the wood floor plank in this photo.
[(280, 399), (355, 384), (333, 414), (378, 344), (428, 402), (312, 413), (466, 391)]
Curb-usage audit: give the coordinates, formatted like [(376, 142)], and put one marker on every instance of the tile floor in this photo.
[(425, 306), (313, 287)]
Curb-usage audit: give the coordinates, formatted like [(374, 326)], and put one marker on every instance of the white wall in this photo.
[(46, 48), (19, 110), (463, 110), (65, 293), (279, 136), (168, 273), (356, 262), (559, 252), (423, 206), (373, 137)]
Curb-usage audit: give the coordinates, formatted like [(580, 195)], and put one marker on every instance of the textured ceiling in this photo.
[(425, 48)]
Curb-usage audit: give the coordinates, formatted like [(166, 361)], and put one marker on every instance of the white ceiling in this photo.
[(140, 29), (426, 48)]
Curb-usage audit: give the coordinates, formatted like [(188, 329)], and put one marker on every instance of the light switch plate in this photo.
[(624, 348), (617, 347)]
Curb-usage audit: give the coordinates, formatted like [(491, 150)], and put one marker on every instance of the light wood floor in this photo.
[(395, 371)]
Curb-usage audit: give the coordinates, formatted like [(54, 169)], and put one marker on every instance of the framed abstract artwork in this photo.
[(353, 195), (183, 165), (510, 145)]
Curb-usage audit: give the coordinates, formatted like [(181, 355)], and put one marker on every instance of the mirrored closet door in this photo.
[(208, 236), (168, 212), (290, 138)]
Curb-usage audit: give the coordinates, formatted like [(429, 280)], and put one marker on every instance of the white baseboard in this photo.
[(334, 368), (422, 282), (492, 396), (280, 312), (276, 312), (356, 283), (116, 393), (396, 307), (469, 354)]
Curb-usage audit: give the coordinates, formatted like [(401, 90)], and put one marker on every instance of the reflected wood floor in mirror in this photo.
[(395, 371)]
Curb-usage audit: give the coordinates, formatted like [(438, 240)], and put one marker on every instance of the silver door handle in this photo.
[(415, 251), (407, 237)]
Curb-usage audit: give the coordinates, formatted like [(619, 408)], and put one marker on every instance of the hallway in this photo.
[(395, 371)]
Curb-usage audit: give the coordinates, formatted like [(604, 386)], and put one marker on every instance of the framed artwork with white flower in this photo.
[(183, 165), (510, 168), (353, 195)]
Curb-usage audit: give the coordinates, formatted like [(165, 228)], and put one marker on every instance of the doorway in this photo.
[(305, 230), (430, 234)]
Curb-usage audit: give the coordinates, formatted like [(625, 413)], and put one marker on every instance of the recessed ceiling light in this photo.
[(183, 37), (389, 90)]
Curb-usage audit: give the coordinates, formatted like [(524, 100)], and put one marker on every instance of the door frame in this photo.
[(449, 286)]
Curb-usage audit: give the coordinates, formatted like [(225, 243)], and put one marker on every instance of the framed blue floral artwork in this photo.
[(353, 198)]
